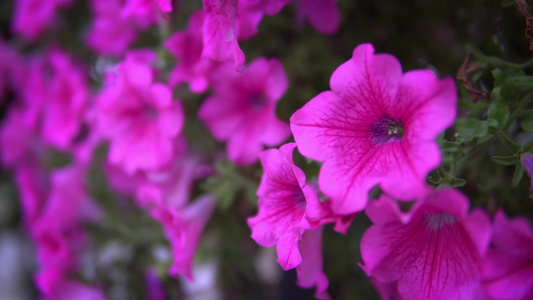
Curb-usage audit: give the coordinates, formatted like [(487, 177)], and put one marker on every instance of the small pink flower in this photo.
[(434, 252), (139, 117), (65, 101), (375, 126), (187, 47), (220, 33), (183, 228), (289, 218), (508, 267), (116, 24), (250, 13), (33, 17), (323, 15), (242, 109)]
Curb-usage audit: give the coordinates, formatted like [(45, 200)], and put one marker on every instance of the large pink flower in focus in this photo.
[(242, 109), (375, 126), (508, 267), (288, 207), (138, 116), (434, 252)]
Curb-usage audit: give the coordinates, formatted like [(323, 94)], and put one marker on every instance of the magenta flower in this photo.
[(187, 46), (139, 117), (220, 33), (288, 207), (508, 267), (375, 126), (183, 229), (65, 101), (250, 13), (33, 17), (434, 252), (116, 24), (69, 289), (242, 109), (323, 15)]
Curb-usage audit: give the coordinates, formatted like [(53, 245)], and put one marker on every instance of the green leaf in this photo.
[(499, 111), (481, 129), (494, 126), (505, 160), (457, 182), (518, 174), (509, 143), (523, 81), (449, 146), (465, 127), (527, 120)]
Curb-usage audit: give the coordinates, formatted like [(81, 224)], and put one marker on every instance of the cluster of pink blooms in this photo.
[(377, 126)]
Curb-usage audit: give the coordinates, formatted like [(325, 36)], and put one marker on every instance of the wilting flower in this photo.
[(288, 207), (183, 228), (375, 126), (433, 252), (323, 15), (138, 116), (220, 33), (242, 109), (187, 46), (508, 267)]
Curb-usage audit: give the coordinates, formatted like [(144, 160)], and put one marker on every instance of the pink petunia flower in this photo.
[(68, 289), (375, 126), (250, 13), (288, 207), (65, 101), (242, 109), (138, 116), (183, 228), (508, 267), (187, 46), (116, 24), (220, 33), (33, 17), (323, 15), (434, 252)]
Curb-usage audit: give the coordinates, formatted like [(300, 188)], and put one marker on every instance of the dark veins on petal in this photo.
[(386, 129)]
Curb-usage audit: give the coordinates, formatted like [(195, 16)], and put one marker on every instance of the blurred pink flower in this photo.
[(323, 15), (116, 23), (508, 267), (250, 13), (187, 47), (375, 126), (138, 116), (183, 228), (288, 207), (220, 33), (165, 6), (434, 252), (66, 99), (68, 289), (32, 18), (242, 109)]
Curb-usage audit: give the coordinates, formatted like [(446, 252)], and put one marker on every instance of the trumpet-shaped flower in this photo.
[(288, 207), (433, 252), (375, 126), (242, 109), (508, 267), (138, 116)]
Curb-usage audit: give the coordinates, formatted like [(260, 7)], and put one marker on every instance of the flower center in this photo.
[(257, 101), (385, 130), (437, 221)]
